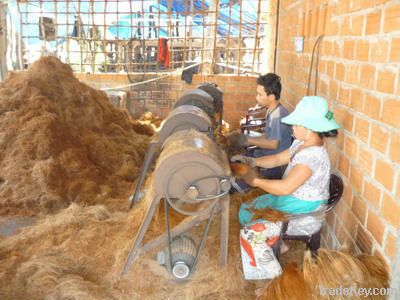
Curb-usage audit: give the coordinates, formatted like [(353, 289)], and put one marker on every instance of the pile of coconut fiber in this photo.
[(62, 141)]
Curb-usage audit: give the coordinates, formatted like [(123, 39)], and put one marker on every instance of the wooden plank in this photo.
[(240, 37), (256, 35)]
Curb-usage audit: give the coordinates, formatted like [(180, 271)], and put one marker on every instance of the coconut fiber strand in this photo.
[(62, 141)]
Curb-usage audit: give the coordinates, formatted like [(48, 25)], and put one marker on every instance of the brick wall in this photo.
[(159, 96), (359, 63)]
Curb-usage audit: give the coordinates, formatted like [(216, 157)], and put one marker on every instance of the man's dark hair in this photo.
[(271, 83)]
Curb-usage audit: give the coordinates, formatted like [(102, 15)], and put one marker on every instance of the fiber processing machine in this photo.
[(192, 176)]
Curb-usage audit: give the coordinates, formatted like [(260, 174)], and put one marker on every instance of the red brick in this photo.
[(347, 195), (340, 71), (391, 113), (322, 65), (391, 246), (379, 138), (362, 50), (362, 129), (345, 27), (373, 22), (333, 89), (395, 50), (379, 51), (357, 99), (323, 88), (350, 147), (348, 49), (375, 226), (394, 151), (344, 165), (384, 173), (322, 20), (330, 67), (340, 139), (336, 49), (353, 74), (372, 194), (359, 209), (344, 95), (344, 118), (367, 78), (332, 27), (356, 178), (372, 107), (357, 23), (348, 121), (307, 23), (314, 22), (398, 187), (392, 18), (390, 210), (385, 82), (365, 159), (300, 25)]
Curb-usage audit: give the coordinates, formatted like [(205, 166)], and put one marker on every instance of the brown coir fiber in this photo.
[(62, 141), (290, 285), (79, 253), (329, 270)]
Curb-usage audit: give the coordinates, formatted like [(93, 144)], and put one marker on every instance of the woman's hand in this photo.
[(250, 177), (251, 161)]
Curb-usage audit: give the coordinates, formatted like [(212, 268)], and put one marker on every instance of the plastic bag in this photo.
[(256, 242)]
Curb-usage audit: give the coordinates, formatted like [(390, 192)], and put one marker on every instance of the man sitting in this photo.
[(277, 136)]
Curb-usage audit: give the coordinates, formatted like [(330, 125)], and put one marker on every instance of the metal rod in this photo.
[(204, 234), (166, 206)]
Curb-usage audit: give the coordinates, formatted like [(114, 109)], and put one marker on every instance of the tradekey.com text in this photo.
[(357, 292)]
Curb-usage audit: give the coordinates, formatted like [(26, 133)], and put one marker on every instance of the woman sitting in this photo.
[(305, 184)]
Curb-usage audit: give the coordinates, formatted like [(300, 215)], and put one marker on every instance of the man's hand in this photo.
[(251, 161), (237, 138)]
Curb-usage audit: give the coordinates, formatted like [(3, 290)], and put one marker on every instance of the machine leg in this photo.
[(224, 230), (152, 149), (140, 234)]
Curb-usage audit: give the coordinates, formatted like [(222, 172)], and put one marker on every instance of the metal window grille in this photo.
[(225, 36)]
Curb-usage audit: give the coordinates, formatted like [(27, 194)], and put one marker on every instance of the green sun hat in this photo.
[(312, 112)]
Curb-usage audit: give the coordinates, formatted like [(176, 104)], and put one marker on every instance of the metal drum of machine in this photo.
[(191, 171), (182, 118), (200, 99), (217, 95)]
